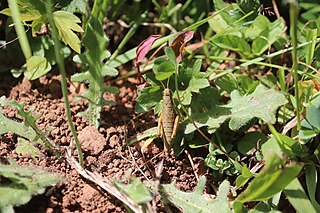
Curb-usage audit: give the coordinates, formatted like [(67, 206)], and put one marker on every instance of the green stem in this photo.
[(60, 63), (96, 8), (293, 32), (23, 40), (103, 11)]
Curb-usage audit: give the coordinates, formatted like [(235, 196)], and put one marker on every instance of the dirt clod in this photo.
[(91, 140)]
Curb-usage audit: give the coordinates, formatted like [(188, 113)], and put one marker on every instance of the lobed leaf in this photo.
[(94, 71), (262, 103), (22, 184), (66, 23), (197, 201)]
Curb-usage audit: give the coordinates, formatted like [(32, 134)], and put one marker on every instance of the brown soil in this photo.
[(105, 149)]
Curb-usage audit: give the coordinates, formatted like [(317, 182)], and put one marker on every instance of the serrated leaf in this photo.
[(26, 14), (37, 66), (196, 201), (206, 111), (74, 5), (66, 23), (28, 129), (26, 147), (24, 182), (262, 103), (273, 178), (95, 42), (8, 125)]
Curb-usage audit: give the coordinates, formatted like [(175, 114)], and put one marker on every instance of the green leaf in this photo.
[(310, 126), (268, 36), (233, 42), (163, 69), (37, 66), (217, 23), (37, 25), (22, 184), (273, 178), (298, 198), (198, 83), (74, 5), (171, 55), (26, 14), (66, 23), (244, 177), (311, 34), (94, 71), (149, 97), (26, 147), (196, 201), (136, 190), (271, 147), (259, 25), (311, 181), (28, 129), (8, 125), (262, 103)]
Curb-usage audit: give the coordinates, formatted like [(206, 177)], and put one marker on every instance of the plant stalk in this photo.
[(60, 63), (23, 40), (294, 11)]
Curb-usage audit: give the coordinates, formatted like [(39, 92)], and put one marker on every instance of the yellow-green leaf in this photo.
[(66, 23), (26, 14)]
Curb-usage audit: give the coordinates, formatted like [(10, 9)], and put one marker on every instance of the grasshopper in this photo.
[(168, 121)]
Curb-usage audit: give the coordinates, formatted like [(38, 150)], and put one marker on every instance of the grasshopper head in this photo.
[(166, 92)]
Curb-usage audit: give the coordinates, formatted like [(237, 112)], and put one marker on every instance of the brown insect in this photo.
[(168, 121)]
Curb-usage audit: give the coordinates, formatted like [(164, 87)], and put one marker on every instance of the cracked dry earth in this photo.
[(105, 149)]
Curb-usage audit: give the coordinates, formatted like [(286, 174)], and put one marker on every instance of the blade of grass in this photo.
[(298, 198), (293, 12), (243, 60), (23, 40), (311, 180), (60, 63), (96, 9), (262, 58)]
